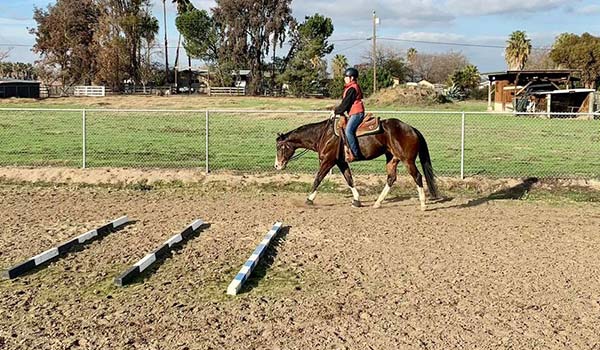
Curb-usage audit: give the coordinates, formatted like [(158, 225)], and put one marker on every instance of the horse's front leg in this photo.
[(323, 170), (391, 169), (345, 170)]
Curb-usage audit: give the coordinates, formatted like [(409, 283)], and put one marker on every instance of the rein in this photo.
[(300, 154)]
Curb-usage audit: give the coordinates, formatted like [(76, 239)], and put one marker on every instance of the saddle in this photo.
[(369, 126)]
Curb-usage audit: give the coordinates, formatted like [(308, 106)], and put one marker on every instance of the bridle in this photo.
[(298, 155), (302, 153)]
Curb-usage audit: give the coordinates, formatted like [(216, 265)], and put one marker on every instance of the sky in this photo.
[(403, 24)]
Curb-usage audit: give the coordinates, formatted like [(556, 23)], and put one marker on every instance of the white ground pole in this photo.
[(157, 254), (246, 270), (62, 249)]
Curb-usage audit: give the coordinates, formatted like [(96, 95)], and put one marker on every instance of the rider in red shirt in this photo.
[(353, 105)]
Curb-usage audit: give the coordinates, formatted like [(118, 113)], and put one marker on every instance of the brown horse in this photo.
[(398, 141)]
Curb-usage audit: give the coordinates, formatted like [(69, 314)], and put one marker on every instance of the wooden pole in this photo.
[(374, 52)]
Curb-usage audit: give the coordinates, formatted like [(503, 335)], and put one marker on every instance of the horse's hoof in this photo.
[(309, 202), (376, 205), (356, 204), (423, 208)]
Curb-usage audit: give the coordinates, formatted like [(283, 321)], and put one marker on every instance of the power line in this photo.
[(355, 39), (16, 45), (443, 43), (350, 47), (360, 42), (456, 44)]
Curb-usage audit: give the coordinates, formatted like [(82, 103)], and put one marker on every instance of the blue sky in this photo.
[(481, 22)]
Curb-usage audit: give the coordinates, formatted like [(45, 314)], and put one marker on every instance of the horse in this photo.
[(398, 141)]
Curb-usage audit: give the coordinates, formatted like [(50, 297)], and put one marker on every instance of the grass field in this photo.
[(214, 102), (495, 145)]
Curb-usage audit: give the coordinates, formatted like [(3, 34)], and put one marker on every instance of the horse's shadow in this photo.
[(515, 192)]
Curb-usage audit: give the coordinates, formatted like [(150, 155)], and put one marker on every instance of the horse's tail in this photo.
[(426, 164)]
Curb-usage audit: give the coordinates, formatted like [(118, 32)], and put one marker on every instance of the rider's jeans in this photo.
[(353, 124)]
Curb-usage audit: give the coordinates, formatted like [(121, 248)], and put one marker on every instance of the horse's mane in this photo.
[(302, 129)]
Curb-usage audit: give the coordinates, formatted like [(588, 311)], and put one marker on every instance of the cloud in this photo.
[(486, 7), (16, 21), (586, 10), (359, 13), (157, 6), (431, 36)]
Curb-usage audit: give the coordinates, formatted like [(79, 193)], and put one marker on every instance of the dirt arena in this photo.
[(470, 273)]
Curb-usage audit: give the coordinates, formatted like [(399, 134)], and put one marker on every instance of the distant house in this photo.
[(191, 78), (19, 88), (242, 77), (544, 90)]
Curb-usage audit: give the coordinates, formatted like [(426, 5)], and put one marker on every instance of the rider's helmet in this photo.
[(351, 72)]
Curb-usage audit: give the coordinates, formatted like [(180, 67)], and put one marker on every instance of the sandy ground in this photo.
[(470, 273), (128, 176)]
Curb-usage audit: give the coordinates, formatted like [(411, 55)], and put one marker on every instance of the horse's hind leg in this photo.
[(391, 169), (416, 175), (345, 169)]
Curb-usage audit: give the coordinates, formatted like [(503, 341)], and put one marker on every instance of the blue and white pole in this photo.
[(246, 270)]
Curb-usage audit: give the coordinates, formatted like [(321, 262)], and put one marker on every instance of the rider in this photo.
[(353, 105)]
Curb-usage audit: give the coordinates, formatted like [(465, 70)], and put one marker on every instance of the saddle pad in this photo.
[(370, 125)]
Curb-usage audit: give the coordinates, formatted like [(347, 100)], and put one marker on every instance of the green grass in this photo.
[(496, 145)]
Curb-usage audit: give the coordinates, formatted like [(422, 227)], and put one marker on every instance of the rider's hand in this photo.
[(332, 115)]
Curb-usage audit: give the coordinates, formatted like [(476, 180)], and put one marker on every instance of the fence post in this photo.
[(207, 169), (84, 140), (462, 147)]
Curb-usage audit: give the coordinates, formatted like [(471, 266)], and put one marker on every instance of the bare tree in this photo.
[(437, 67), (539, 59)]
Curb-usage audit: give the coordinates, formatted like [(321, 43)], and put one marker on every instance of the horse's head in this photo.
[(285, 151)]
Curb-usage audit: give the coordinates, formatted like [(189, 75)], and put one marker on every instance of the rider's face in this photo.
[(347, 80)]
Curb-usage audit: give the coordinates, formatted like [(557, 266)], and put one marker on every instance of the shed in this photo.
[(564, 100), (19, 88), (509, 86)]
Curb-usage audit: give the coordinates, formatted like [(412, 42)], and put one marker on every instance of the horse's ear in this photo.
[(279, 136)]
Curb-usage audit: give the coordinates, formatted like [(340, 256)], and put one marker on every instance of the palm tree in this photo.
[(411, 54), (339, 64), (411, 58), (518, 48)]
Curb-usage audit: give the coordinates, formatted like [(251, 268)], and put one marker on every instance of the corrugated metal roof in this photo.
[(563, 91), (9, 81), (534, 71)]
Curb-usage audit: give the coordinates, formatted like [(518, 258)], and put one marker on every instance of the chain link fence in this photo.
[(460, 143)]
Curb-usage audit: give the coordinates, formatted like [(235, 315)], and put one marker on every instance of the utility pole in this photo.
[(166, 43), (374, 54), (176, 67), (273, 66)]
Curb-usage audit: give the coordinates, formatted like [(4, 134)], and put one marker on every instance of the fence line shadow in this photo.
[(515, 192)]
